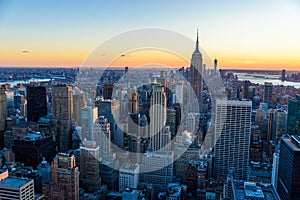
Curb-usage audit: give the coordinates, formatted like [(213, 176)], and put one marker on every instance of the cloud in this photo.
[(25, 51)]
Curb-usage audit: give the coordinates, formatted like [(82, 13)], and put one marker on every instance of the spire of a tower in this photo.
[(197, 42)]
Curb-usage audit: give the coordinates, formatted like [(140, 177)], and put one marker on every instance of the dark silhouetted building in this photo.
[(31, 149), (62, 112), (293, 121), (108, 90), (36, 103), (289, 164)]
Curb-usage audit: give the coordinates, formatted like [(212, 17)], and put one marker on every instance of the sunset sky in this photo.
[(250, 34)]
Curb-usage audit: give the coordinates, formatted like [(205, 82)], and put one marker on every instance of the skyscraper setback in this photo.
[(233, 126), (64, 178), (36, 103), (196, 70)]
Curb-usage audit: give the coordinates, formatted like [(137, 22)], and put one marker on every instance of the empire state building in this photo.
[(196, 71)]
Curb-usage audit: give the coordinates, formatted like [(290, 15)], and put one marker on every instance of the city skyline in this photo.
[(241, 35)]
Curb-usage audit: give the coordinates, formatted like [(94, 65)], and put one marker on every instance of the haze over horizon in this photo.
[(240, 34)]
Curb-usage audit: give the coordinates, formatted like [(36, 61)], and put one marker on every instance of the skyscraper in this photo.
[(64, 178), (196, 70), (3, 109), (90, 179), (88, 117), (133, 106), (36, 103), (293, 121), (101, 130), (275, 170), (158, 115), (289, 164), (233, 126), (108, 90), (62, 111), (268, 92)]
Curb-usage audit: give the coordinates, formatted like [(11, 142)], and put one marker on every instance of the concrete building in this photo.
[(157, 169), (251, 190), (64, 179), (90, 179), (17, 188), (233, 130), (128, 176)]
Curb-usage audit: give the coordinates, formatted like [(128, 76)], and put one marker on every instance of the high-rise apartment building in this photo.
[(233, 130), (289, 164), (36, 103), (62, 111), (90, 179)]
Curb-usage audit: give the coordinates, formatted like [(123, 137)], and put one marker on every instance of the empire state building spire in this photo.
[(197, 43), (196, 71)]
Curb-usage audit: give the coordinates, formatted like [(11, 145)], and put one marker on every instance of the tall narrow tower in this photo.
[(196, 70), (36, 103), (3, 108), (158, 115), (62, 111)]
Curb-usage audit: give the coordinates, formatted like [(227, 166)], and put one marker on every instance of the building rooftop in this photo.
[(33, 136), (129, 167), (14, 182), (252, 190)]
